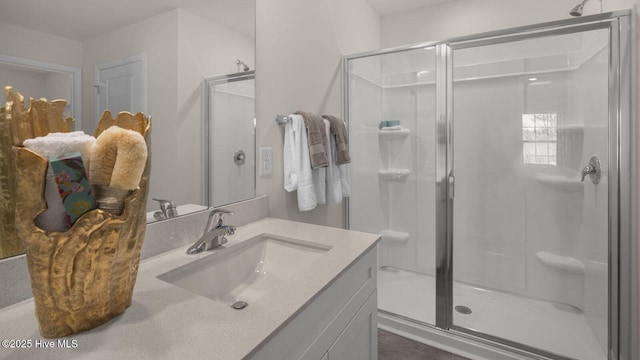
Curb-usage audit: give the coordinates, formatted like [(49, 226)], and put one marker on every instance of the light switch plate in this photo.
[(266, 161)]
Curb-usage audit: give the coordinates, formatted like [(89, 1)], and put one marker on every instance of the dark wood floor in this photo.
[(394, 347)]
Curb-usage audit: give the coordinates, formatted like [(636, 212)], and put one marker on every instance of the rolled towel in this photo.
[(57, 144), (118, 159), (316, 139), (339, 131)]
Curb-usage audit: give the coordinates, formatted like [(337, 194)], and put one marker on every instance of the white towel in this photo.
[(344, 180), (56, 144), (297, 164)]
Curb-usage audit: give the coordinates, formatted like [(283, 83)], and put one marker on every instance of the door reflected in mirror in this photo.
[(230, 115)]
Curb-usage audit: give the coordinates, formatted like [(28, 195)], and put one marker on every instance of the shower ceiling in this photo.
[(389, 7)]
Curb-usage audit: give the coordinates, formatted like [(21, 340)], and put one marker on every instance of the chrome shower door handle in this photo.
[(593, 170)]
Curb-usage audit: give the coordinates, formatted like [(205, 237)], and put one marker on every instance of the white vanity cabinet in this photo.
[(359, 340), (339, 323)]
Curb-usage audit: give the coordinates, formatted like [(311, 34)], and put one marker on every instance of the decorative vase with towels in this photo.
[(84, 276)]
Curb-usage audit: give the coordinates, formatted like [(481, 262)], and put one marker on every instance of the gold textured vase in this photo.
[(83, 277), (10, 244)]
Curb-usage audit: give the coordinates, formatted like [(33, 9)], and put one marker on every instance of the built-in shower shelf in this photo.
[(561, 182), (561, 262), (394, 134), (393, 235), (394, 174)]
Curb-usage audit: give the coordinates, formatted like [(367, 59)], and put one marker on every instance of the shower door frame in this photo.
[(622, 182), (619, 186)]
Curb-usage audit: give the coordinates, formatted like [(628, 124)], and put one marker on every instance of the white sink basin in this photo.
[(245, 271)]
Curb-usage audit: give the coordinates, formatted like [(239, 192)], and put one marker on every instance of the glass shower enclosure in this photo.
[(496, 170)]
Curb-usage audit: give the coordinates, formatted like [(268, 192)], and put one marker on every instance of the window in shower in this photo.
[(540, 138)]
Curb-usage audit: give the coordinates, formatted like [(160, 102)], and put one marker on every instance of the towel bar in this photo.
[(282, 119)]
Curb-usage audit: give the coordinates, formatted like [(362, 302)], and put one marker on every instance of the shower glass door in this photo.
[(529, 238), (391, 112)]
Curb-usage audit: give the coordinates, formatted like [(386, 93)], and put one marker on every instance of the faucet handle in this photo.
[(216, 217), (222, 211)]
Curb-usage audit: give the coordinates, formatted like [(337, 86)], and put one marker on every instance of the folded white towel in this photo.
[(56, 144), (297, 164)]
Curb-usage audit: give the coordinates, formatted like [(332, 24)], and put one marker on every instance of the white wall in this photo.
[(299, 46), (34, 45), (58, 86)]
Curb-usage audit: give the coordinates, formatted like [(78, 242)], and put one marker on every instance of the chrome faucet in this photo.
[(167, 209), (215, 237)]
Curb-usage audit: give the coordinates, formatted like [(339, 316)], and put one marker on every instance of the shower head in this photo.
[(245, 67), (577, 10)]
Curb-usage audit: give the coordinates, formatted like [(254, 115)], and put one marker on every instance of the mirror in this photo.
[(230, 114), (175, 43)]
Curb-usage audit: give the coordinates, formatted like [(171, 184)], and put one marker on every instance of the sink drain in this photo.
[(463, 309), (239, 305)]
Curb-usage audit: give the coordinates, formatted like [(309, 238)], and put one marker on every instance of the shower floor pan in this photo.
[(541, 324)]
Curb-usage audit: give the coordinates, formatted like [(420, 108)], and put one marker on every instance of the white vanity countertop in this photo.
[(167, 322)]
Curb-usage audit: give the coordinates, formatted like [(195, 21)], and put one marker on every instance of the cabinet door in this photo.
[(359, 340)]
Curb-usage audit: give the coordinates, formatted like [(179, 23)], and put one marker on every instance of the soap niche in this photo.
[(395, 154)]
